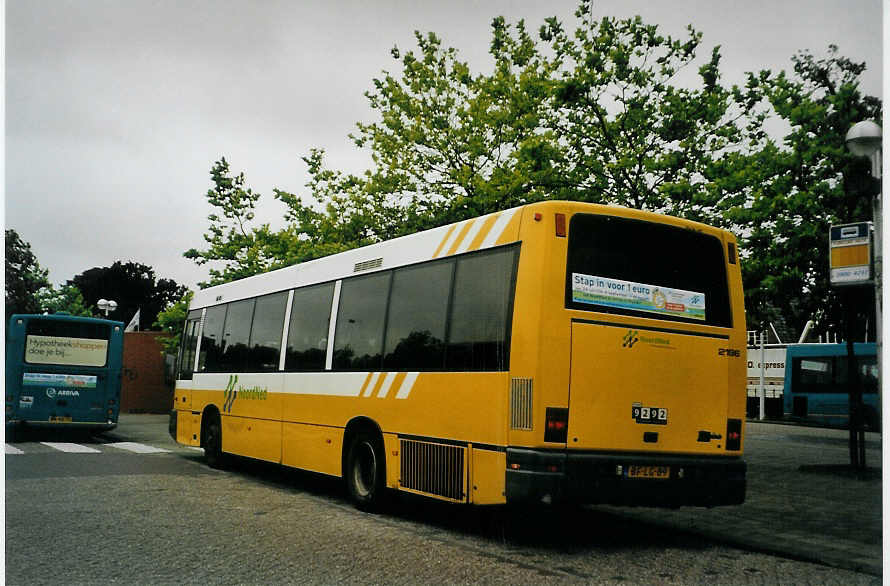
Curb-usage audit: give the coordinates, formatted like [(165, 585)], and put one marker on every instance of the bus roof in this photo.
[(859, 348), (478, 233), (63, 317)]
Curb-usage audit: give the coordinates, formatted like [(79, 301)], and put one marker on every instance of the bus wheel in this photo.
[(212, 442), (365, 471)]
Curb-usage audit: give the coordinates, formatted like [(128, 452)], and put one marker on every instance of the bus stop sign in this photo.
[(850, 255)]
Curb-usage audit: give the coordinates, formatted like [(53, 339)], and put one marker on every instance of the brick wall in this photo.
[(143, 389)]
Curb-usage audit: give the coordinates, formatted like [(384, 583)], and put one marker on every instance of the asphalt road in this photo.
[(142, 510)]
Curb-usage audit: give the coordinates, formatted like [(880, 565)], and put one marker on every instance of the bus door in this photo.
[(639, 390)]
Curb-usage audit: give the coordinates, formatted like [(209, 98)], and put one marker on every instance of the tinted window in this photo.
[(236, 336), (265, 333), (480, 314), (189, 344), (358, 342), (307, 337), (824, 374), (67, 329), (210, 359), (418, 309), (70, 343), (618, 265)]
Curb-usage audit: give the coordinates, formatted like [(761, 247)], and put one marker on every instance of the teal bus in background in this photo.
[(816, 384), (63, 372)]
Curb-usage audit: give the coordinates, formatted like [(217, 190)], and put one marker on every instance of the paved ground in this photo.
[(802, 500)]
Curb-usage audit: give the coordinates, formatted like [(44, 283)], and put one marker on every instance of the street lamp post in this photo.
[(107, 306), (864, 140)]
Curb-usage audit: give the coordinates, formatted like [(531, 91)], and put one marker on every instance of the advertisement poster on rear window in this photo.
[(637, 296), (65, 351)]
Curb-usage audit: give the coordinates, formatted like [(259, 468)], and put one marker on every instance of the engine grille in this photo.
[(432, 468), (521, 404)]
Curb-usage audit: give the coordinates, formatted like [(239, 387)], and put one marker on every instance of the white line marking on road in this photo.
[(71, 448), (138, 448), (13, 450)]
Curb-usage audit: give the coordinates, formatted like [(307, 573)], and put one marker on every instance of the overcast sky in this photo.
[(116, 110)]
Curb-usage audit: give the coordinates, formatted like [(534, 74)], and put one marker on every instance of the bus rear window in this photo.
[(66, 343), (646, 269)]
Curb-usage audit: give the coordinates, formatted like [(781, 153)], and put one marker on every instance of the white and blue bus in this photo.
[(816, 389)]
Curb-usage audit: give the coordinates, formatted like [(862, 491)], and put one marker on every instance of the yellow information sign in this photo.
[(850, 254)]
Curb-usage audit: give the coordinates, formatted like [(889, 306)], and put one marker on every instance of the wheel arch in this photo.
[(357, 425), (209, 412)]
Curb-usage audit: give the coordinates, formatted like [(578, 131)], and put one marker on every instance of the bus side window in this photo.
[(418, 309), (307, 337), (189, 345), (211, 339), (265, 333), (358, 341), (483, 287)]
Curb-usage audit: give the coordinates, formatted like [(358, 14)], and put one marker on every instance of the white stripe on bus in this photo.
[(407, 385), (387, 383), (499, 226), (13, 450)]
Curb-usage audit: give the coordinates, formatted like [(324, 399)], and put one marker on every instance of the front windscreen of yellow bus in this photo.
[(644, 374)]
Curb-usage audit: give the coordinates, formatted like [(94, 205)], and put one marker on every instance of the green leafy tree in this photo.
[(24, 277), (134, 286), (65, 299), (794, 191), (171, 320), (242, 249)]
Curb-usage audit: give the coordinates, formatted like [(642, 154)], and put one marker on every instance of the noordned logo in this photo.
[(230, 393), (630, 338)]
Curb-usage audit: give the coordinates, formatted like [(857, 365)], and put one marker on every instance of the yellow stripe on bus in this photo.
[(444, 240), (483, 232), (460, 237)]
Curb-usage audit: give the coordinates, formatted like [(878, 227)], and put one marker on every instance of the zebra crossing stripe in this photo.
[(138, 448), (13, 450), (71, 448)]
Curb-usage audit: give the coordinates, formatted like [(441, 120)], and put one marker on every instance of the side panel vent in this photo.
[(367, 265), (521, 404), (434, 469)]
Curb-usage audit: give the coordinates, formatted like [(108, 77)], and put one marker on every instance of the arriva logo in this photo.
[(630, 338)]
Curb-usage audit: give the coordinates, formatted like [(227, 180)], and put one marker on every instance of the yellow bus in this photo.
[(554, 352)]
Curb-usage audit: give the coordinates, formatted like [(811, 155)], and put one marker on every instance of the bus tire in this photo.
[(211, 441), (365, 471)]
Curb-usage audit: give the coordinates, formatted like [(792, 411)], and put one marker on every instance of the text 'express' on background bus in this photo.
[(553, 352), (63, 372)]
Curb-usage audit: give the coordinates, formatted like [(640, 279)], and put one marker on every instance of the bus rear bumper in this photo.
[(92, 426), (543, 476)]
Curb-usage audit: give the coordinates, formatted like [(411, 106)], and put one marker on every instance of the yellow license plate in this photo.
[(55, 419), (649, 472)]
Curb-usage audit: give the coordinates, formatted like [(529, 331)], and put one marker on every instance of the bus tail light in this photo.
[(561, 225), (556, 428), (734, 434)]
